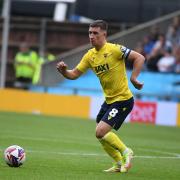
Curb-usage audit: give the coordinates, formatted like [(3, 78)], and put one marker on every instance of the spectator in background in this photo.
[(148, 44), (154, 33), (26, 62), (173, 32), (167, 62), (140, 49), (48, 57), (157, 52)]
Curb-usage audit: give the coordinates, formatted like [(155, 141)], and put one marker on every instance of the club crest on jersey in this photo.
[(92, 59), (105, 55), (101, 68)]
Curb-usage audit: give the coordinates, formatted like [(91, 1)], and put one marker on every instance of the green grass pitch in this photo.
[(61, 148)]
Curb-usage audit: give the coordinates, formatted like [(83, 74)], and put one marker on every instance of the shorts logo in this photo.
[(112, 113)]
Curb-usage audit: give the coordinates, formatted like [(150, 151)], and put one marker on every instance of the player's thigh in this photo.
[(102, 111)]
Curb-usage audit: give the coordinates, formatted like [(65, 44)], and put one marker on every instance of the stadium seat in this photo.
[(157, 86)]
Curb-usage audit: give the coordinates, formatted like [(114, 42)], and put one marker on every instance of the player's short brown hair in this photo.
[(100, 23)]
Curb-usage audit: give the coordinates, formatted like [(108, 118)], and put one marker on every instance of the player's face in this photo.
[(97, 36)]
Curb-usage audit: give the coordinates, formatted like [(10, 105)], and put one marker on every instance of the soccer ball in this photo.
[(14, 156)]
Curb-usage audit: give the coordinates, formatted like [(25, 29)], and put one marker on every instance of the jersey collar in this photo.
[(102, 49)]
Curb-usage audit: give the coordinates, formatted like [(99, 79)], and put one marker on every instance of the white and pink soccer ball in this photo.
[(14, 156)]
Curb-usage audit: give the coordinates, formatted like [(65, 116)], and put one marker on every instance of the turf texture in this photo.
[(65, 148)]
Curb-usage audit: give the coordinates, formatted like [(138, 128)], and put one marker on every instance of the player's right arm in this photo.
[(69, 74)]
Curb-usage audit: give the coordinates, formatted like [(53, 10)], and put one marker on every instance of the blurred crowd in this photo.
[(28, 64), (162, 50)]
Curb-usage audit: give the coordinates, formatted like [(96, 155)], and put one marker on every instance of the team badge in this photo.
[(105, 55)]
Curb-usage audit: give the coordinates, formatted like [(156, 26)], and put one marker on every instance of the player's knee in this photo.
[(99, 133)]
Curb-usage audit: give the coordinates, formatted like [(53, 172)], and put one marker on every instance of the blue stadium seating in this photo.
[(156, 86), (160, 85)]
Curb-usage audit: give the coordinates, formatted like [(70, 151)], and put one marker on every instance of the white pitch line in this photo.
[(67, 153), (96, 154), (161, 152), (72, 140), (157, 157), (43, 139)]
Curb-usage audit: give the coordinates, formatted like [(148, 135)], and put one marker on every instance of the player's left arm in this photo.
[(138, 62)]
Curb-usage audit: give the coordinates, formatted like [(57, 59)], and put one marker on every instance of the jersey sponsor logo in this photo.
[(144, 112), (101, 68)]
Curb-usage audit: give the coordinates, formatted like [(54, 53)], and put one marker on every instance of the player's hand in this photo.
[(138, 85), (61, 67)]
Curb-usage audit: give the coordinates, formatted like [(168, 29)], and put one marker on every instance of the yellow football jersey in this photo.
[(109, 66)]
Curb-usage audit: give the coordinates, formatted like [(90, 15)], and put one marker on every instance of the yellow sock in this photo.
[(113, 140), (115, 154)]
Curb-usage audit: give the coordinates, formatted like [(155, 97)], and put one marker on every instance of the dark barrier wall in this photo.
[(135, 11), (32, 8), (128, 11)]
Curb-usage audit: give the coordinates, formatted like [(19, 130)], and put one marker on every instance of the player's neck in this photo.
[(100, 46)]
